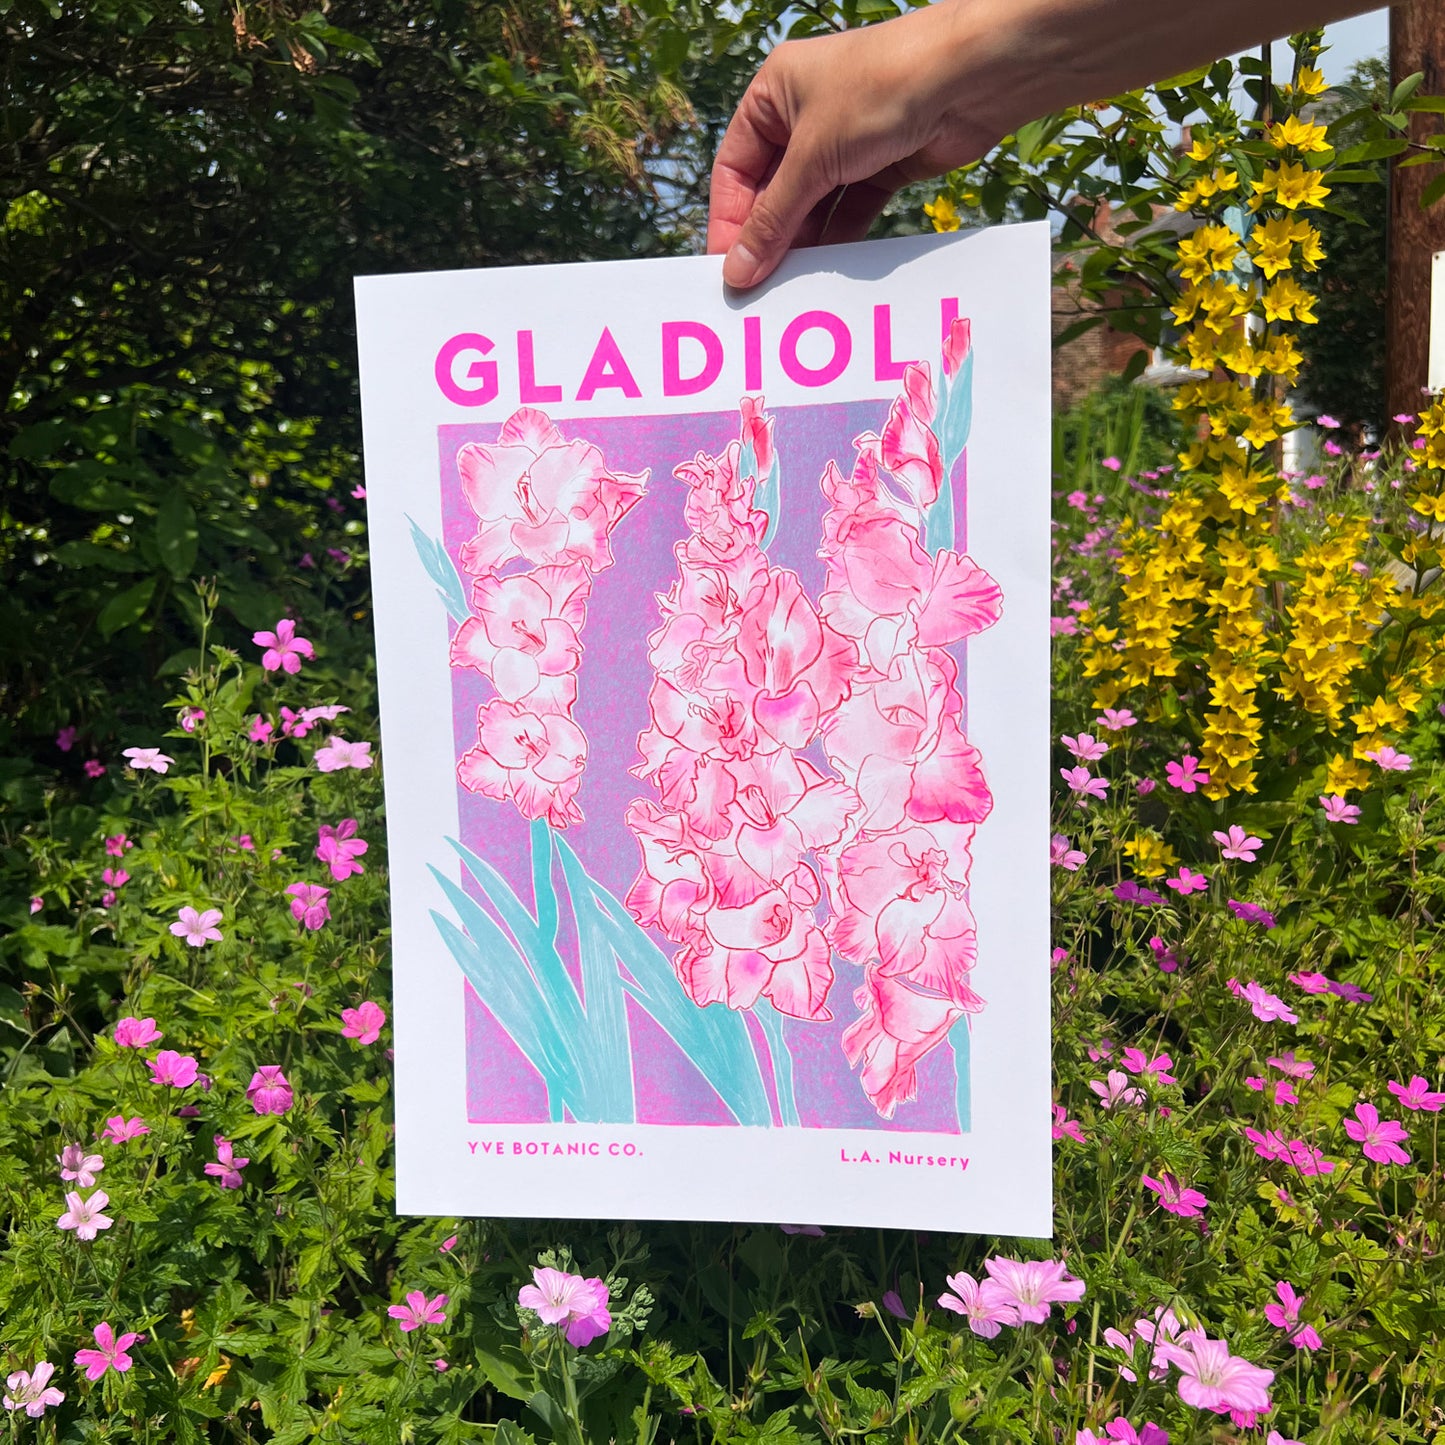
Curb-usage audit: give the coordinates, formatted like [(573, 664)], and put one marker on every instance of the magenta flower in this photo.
[(116, 845), (1145, 786), (76, 1164), (893, 1303), (1117, 1090), (145, 759), (578, 1304), (1237, 844), (1084, 783), (1337, 810), (308, 904), (336, 753), (94, 768), (339, 848), (226, 1167), (1164, 956), (1350, 992), (1136, 1061), (284, 650), (269, 1091), (1065, 1127), (985, 1306), (1086, 747), (1185, 882), (115, 877), (191, 718), (1417, 1095), (37, 903), (65, 738), (1031, 1286), (120, 1130), (1116, 719), (1112, 463), (178, 1070), (1131, 892), (32, 1390), (1389, 761), (110, 1356), (1270, 1144), (84, 1215), (1263, 1004), (363, 1023), (1378, 1138), (260, 730), (1285, 1316), (1185, 775), (1325, 420), (197, 929), (1275, 1438), (133, 1033), (1309, 1161), (1290, 1065), (1250, 913), (1175, 1197), (1062, 855), (1210, 1378)]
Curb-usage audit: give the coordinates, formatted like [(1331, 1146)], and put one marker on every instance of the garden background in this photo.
[(195, 1127)]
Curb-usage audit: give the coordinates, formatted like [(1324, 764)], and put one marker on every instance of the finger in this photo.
[(779, 212), (852, 218), (745, 162)]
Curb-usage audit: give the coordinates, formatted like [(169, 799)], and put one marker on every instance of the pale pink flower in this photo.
[(226, 1167), (197, 929), (337, 753), (1145, 786), (1065, 1127), (1237, 844), (1031, 1286), (1116, 719), (284, 650), (37, 903), (31, 1390), (1063, 855), (985, 1306), (1136, 1061), (1388, 760), (1310, 982), (110, 1356), (143, 759), (1417, 1094), (363, 1023), (576, 1303), (1113, 464), (1184, 882), (1175, 1197), (339, 848), (532, 760), (1086, 747), (1337, 810), (84, 1215), (191, 718), (1324, 419), (269, 1091), (1185, 775), (1378, 1138), (179, 1071), (448, 1244), (1084, 783), (133, 1033), (1263, 1004), (1285, 1316), (1210, 1378), (120, 1130), (308, 904), (1294, 1067), (76, 1164)]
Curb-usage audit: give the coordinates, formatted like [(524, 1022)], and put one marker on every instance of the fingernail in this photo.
[(741, 267)]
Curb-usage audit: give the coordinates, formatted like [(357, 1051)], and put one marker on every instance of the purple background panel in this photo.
[(611, 710)]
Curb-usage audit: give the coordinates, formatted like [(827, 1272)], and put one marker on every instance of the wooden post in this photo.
[(1417, 42)]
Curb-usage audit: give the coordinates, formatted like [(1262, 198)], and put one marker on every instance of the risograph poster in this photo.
[(712, 637)]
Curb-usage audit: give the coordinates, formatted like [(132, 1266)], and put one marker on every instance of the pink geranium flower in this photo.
[(180, 1071), (260, 730), (1065, 1127), (1063, 855), (76, 1164), (84, 1215), (94, 768), (134, 1033), (336, 753), (1417, 1094), (339, 848), (284, 650), (1310, 982), (1379, 1139), (65, 738), (269, 1090), (116, 845), (1112, 463), (1337, 810), (308, 904), (1086, 747), (111, 1354), (1136, 1061), (1116, 719), (985, 1306), (363, 1023), (1185, 775), (1175, 1197), (1210, 1378), (1237, 844), (147, 759), (37, 903), (1389, 761), (1185, 882), (1270, 1144), (1032, 1286), (197, 929), (1263, 1004), (31, 1390), (226, 1167), (1117, 1090), (115, 877), (120, 1130), (1084, 783), (1307, 1159), (578, 1304), (1288, 1064), (1285, 1316)]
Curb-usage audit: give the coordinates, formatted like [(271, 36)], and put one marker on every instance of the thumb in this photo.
[(777, 215)]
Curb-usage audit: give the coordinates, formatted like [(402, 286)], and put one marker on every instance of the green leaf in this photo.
[(1373, 150), (1433, 192), (1406, 89), (91, 554), (125, 608), (92, 485), (177, 534)]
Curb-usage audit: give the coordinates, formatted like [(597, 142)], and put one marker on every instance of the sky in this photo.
[(1352, 40)]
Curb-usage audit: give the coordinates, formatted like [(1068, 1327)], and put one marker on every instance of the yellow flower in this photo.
[(1293, 186), (1311, 82), (1287, 300), (1153, 857), (1217, 183), (942, 213), (218, 1374), (1303, 135), (1201, 149)]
